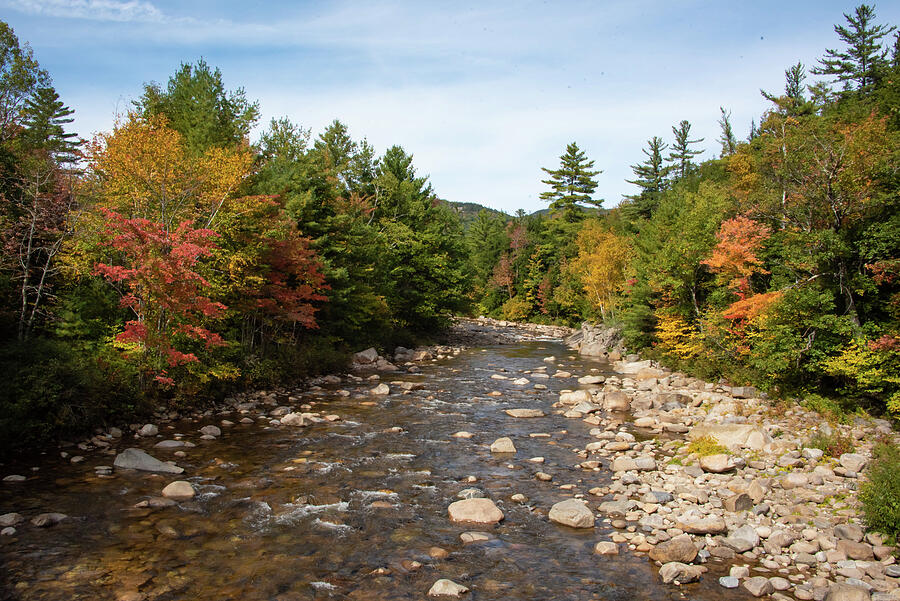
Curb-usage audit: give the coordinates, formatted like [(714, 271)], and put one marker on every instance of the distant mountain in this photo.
[(468, 211)]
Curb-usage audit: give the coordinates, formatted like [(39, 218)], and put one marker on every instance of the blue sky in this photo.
[(482, 94)]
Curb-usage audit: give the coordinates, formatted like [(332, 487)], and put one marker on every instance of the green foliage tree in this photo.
[(573, 183), (860, 66), (199, 107), (20, 78)]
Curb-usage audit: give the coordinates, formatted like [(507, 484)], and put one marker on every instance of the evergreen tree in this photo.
[(726, 138), (45, 119), (681, 154), (198, 107), (20, 77), (650, 177), (571, 184), (861, 64), (793, 103)]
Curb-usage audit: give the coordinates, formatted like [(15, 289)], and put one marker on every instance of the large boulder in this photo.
[(572, 512), (136, 459), (681, 549), (479, 511), (366, 357), (745, 436), (847, 592)]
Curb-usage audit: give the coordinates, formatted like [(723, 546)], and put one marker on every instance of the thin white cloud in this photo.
[(129, 11)]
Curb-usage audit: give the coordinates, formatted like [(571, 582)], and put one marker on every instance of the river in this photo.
[(351, 509)]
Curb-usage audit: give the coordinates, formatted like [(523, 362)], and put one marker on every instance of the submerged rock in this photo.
[(136, 459)]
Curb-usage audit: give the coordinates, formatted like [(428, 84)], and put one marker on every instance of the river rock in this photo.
[(447, 588), (679, 573), (742, 539), (847, 592), (210, 431), (729, 582), (503, 445), (716, 464), (294, 419), (180, 490), (572, 512), (849, 532), (745, 436), (759, 586), (366, 357), (14, 478), (45, 520), (701, 525), (381, 390), (679, 549), (794, 480), (522, 412), (479, 511), (136, 459), (738, 502), (169, 444), (616, 400), (606, 548), (11, 519), (591, 380), (573, 397), (148, 430), (853, 462)]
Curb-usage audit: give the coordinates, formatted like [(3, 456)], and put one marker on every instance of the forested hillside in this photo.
[(173, 259), (775, 264)]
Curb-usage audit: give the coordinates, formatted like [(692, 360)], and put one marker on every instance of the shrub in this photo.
[(706, 445), (516, 309), (833, 445), (880, 493)]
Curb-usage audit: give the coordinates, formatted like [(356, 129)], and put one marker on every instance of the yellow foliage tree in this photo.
[(142, 169), (602, 265)]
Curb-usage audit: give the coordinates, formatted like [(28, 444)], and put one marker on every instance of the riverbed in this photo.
[(349, 509)]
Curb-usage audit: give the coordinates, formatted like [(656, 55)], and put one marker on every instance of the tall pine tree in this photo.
[(571, 184), (45, 123), (859, 67), (726, 138), (682, 153), (650, 176)]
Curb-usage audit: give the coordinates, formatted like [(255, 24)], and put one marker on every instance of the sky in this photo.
[(482, 94)]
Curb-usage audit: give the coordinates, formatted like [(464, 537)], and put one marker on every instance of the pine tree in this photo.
[(651, 177), (792, 103), (571, 184), (45, 119), (726, 139), (681, 154), (860, 65)]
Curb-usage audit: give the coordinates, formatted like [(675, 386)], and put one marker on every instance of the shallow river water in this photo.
[(341, 510)]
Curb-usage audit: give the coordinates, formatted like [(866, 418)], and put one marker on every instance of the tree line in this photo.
[(775, 263), (170, 260)]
